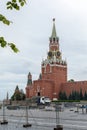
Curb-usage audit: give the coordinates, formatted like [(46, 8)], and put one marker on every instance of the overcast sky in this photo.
[(31, 29)]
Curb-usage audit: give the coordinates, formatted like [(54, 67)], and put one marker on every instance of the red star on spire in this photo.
[(53, 19)]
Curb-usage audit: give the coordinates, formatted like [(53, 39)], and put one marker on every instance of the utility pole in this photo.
[(58, 126)]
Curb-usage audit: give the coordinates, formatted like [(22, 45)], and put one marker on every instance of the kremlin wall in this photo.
[(53, 77)]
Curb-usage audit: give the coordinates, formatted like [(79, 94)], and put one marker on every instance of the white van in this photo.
[(45, 100)]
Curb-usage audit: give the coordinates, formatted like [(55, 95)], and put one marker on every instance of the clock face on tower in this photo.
[(50, 54), (58, 53)]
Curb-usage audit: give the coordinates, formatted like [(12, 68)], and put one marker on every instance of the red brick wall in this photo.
[(45, 87), (74, 86), (56, 73)]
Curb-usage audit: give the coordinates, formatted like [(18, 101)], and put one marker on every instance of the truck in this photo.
[(45, 100)]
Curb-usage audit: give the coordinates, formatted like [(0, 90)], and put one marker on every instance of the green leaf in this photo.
[(8, 3), (22, 3), (15, 50), (1, 17), (4, 20), (9, 7), (1, 39), (14, 5), (13, 47), (7, 22), (14, 1), (3, 44), (17, 8)]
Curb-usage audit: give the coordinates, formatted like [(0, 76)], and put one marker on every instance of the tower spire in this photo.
[(29, 82), (54, 40), (54, 35)]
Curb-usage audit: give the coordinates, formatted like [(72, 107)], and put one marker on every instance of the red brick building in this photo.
[(53, 77)]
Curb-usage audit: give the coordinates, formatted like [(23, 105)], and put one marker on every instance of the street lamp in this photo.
[(58, 126)]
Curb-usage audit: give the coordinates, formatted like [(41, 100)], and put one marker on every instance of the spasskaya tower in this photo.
[(53, 71), (54, 68)]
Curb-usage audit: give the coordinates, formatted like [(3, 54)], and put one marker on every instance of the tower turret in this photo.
[(29, 81)]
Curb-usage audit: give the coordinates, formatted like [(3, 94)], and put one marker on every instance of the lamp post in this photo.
[(58, 126), (4, 121)]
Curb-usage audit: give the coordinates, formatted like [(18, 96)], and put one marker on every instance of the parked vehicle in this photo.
[(45, 100)]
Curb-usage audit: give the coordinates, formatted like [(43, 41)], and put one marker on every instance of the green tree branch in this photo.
[(13, 4)]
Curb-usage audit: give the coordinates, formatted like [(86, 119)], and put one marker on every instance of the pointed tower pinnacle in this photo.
[(54, 40), (53, 30)]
